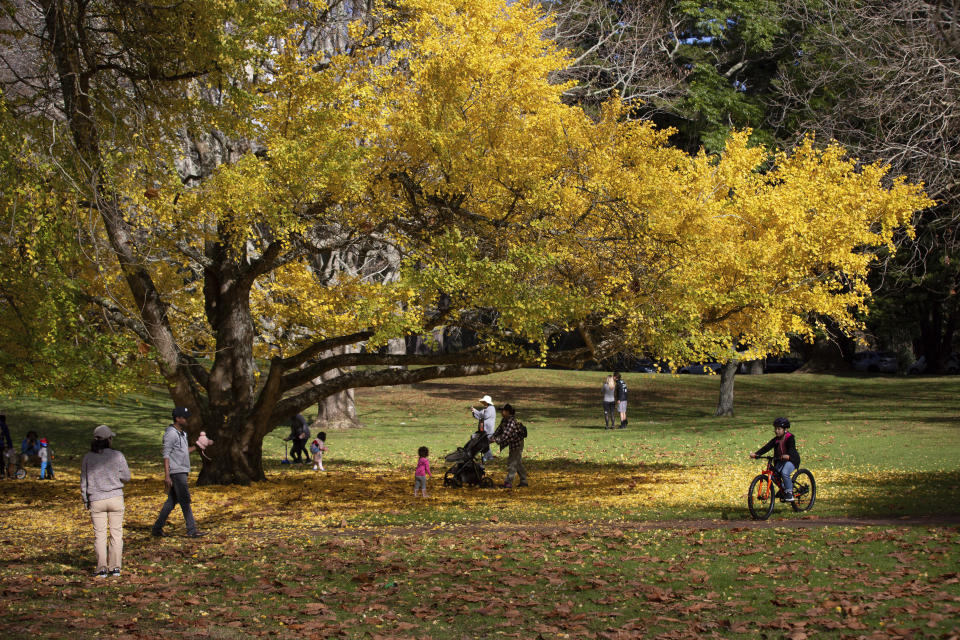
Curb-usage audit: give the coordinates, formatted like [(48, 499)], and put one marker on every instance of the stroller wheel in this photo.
[(486, 482)]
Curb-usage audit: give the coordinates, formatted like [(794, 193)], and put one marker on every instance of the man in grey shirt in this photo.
[(176, 468)]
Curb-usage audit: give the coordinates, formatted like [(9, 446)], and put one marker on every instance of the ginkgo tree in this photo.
[(432, 147)]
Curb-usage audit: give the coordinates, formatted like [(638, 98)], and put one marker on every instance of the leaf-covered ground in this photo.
[(604, 581), (622, 534)]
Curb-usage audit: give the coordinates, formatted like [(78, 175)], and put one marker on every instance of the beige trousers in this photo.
[(108, 514)]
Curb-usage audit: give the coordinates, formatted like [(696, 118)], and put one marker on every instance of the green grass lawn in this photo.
[(630, 533)]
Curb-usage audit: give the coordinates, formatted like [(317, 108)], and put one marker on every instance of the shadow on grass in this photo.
[(904, 494), (681, 400)]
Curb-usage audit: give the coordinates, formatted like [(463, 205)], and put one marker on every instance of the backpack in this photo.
[(523, 430), (314, 447)]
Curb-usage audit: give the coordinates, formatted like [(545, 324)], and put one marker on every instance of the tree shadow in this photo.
[(900, 494)]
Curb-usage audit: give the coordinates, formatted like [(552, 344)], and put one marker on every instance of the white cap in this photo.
[(486, 399), (103, 432)]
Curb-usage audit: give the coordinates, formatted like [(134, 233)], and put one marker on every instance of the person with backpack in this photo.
[(785, 455), (620, 392), (511, 433), (317, 448)]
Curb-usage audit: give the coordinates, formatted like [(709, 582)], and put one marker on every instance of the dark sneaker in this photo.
[(156, 533), (523, 484), (789, 498), (114, 573), (197, 534), (102, 573)]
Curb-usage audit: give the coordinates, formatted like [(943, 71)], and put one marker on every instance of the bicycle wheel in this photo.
[(804, 490), (760, 498)]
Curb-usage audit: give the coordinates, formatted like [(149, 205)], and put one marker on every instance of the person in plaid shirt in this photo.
[(511, 433)]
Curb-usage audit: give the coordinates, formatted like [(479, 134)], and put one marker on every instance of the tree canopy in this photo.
[(207, 196)]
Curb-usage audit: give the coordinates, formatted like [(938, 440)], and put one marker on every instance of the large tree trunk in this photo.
[(727, 374), (337, 411), (230, 416), (754, 367), (938, 324), (235, 457)]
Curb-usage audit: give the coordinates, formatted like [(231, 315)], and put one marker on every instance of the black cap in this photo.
[(181, 412)]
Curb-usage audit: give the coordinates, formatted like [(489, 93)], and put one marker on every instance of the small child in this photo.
[(317, 447), (786, 457), (46, 460), (423, 470)]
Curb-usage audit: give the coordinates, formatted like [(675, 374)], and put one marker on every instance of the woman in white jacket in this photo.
[(103, 473)]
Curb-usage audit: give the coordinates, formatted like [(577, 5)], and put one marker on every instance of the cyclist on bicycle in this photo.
[(786, 457)]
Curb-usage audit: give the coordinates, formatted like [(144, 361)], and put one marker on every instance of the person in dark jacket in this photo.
[(620, 393), (30, 449), (299, 433), (785, 455), (5, 440)]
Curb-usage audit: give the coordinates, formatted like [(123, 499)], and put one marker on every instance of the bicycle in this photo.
[(761, 497)]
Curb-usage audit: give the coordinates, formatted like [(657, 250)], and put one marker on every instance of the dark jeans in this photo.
[(609, 414), (299, 448), (179, 494)]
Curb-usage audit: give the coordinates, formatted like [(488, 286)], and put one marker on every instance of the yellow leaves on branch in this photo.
[(438, 134)]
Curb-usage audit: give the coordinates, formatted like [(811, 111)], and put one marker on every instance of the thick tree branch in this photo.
[(289, 407)]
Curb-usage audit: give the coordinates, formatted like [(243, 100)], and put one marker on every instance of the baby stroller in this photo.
[(466, 469), (12, 459)]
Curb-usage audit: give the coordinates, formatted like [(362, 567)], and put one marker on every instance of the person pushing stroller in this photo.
[(486, 416)]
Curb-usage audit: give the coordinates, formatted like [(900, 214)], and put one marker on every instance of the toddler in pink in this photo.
[(423, 470)]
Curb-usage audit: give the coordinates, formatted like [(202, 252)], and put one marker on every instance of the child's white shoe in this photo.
[(314, 467)]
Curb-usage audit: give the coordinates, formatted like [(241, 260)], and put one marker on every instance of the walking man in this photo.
[(511, 433), (621, 395), (176, 469)]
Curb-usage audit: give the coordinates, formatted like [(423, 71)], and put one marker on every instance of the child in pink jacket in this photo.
[(423, 470)]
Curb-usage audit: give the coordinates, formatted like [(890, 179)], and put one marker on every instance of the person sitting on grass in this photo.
[(30, 449), (785, 455)]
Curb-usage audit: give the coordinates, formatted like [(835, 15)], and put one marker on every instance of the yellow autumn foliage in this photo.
[(370, 494), (441, 135)]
